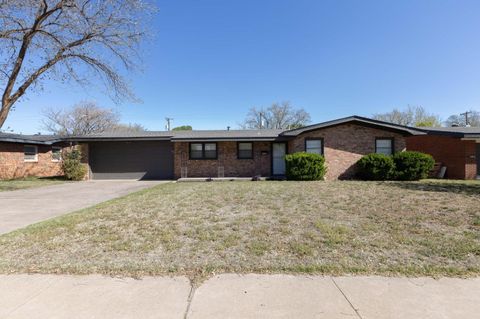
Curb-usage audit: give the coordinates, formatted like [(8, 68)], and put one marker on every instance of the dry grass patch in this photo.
[(407, 228), (29, 182)]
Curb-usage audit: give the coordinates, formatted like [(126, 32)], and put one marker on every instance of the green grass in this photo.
[(29, 182), (390, 228)]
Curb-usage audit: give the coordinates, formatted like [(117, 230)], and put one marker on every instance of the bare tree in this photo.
[(411, 116), (460, 119), (130, 127), (277, 116), (82, 119), (68, 40)]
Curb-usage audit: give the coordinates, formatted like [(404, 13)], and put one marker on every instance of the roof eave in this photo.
[(27, 141), (369, 122), (116, 139), (227, 139)]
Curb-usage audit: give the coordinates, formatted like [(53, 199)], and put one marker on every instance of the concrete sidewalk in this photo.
[(237, 296)]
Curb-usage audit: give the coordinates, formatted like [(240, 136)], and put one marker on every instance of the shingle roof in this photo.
[(219, 135), (30, 139), (456, 131), (357, 119), (121, 134), (226, 134), (183, 135)]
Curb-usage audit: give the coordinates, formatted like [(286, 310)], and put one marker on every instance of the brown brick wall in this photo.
[(457, 155), (12, 164), (344, 145), (227, 158)]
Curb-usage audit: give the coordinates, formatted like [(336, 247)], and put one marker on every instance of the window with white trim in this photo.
[(314, 146), (30, 153), (384, 146), (56, 153)]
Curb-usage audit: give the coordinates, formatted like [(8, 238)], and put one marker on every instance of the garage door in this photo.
[(131, 160)]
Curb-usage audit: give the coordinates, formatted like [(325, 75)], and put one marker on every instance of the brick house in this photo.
[(239, 153), (457, 148), (30, 155), (226, 153)]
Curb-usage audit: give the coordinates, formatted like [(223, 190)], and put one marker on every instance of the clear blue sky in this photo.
[(211, 60)]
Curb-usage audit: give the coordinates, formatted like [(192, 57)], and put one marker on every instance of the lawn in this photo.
[(28, 182), (197, 229)]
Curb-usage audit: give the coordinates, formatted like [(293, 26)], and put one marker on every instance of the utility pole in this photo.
[(168, 119), (466, 117)]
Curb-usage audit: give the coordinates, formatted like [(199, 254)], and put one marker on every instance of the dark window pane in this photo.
[(196, 154), (245, 150), (245, 153), (211, 154)]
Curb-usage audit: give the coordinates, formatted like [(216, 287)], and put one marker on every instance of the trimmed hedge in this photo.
[(376, 167), (405, 166), (72, 165), (305, 166), (412, 166)]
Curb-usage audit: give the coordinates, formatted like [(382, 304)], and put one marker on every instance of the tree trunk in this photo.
[(4, 113)]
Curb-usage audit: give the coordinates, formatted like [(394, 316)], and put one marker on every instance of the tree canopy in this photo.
[(182, 128), (278, 116)]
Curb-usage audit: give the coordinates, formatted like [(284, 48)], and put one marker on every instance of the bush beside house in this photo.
[(376, 167), (412, 166), (72, 165), (406, 166), (303, 166)]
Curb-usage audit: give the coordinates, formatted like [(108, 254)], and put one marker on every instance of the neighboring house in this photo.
[(237, 153), (30, 155), (457, 148)]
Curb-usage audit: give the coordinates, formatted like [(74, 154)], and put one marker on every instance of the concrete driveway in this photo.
[(27, 206)]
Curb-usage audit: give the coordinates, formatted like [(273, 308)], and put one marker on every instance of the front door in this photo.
[(478, 159), (278, 158)]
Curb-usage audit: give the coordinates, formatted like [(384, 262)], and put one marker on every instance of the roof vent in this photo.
[(228, 128)]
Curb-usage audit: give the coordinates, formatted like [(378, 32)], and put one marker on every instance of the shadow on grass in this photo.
[(458, 187), (52, 178), (35, 178)]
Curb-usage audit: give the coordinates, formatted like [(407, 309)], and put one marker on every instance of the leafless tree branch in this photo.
[(58, 38)]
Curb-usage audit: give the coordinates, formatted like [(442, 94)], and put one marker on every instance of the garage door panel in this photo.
[(131, 160)]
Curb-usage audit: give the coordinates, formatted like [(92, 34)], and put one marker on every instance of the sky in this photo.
[(210, 61)]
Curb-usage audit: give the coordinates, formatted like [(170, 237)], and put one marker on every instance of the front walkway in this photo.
[(237, 296), (27, 206)]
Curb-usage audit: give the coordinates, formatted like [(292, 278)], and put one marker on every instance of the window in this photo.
[(384, 146), (314, 146), (245, 150), (30, 153), (203, 150), (56, 154)]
